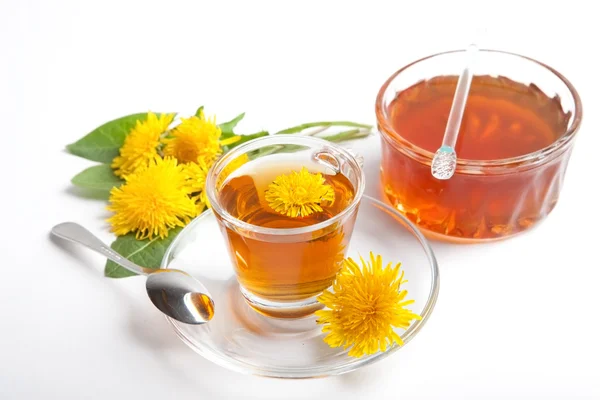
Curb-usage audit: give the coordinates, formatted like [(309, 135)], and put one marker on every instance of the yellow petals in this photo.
[(299, 194), (153, 199), (165, 177), (196, 138), (365, 306), (141, 144), (195, 175), (231, 140)]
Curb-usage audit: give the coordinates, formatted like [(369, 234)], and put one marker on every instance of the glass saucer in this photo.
[(242, 340)]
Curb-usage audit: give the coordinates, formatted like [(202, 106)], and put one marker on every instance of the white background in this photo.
[(515, 319)]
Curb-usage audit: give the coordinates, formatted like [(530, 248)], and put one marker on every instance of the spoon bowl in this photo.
[(180, 296)]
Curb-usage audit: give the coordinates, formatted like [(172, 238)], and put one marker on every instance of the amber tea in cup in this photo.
[(514, 144), (282, 262), (287, 271)]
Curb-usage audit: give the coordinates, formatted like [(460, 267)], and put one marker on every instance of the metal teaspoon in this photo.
[(172, 291)]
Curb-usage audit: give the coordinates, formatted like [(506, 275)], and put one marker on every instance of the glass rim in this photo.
[(255, 144), (468, 166)]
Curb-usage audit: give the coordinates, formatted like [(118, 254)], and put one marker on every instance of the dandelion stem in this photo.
[(358, 131), (327, 124), (348, 135)]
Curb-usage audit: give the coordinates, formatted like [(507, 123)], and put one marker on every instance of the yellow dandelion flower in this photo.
[(365, 306), (196, 138), (299, 194), (195, 175), (152, 200), (141, 144)]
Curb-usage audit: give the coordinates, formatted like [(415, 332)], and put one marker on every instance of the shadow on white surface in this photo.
[(176, 361)]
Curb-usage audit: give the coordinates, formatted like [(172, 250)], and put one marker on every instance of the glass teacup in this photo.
[(283, 261)]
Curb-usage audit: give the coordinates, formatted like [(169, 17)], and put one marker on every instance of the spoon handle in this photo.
[(78, 234)]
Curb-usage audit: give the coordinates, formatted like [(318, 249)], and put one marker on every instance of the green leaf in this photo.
[(348, 135), (147, 253), (103, 143), (245, 138), (323, 124), (227, 127), (99, 177), (199, 110)]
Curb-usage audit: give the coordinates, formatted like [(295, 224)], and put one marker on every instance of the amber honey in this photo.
[(503, 119), (283, 268)]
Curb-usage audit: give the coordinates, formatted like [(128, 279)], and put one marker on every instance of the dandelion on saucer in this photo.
[(365, 306)]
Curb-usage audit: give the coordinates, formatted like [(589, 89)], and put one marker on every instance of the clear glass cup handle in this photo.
[(358, 157), (329, 159)]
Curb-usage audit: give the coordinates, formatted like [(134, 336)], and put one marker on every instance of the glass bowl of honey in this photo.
[(516, 137)]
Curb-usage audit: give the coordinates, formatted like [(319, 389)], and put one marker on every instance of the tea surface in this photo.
[(243, 196)]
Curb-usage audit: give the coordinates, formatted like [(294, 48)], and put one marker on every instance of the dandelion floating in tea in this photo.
[(365, 306), (299, 194)]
